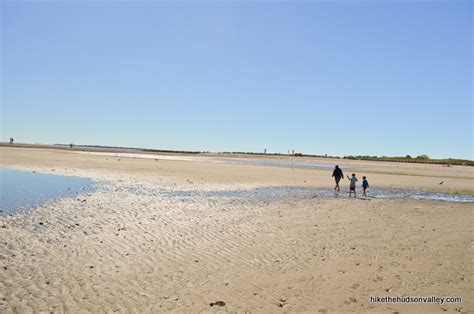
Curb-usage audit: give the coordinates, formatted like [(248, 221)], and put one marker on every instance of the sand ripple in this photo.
[(139, 249)]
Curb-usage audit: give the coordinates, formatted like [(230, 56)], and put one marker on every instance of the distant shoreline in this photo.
[(118, 149)]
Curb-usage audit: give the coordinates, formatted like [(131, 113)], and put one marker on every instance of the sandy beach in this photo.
[(155, 236)]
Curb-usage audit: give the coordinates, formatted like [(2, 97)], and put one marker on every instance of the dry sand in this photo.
[(132, 246)]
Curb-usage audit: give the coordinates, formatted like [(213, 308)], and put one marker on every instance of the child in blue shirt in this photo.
[(365, 185)]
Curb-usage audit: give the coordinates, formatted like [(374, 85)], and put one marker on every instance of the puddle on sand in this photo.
[(274, 193), (419, 195), (21, 190), (269, 194)]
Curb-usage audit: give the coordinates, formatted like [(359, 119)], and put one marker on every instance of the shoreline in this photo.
[(202, 171), (325, 192)]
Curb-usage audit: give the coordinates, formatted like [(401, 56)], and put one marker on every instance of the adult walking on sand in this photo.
[(338, 175)]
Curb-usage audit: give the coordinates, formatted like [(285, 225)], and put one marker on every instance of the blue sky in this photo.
[(320, 77)]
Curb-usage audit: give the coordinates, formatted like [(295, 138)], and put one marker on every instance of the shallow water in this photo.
[(20, 190), (418, 195), (270, 194), (278, 163)]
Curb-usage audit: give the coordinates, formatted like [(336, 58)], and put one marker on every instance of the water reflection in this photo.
[(269, 194), (21, 190)]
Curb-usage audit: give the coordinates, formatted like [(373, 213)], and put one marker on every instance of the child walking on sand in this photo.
[(365, 185), (352, 187)]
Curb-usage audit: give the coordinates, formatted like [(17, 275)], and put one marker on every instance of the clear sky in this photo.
[(320, 77)]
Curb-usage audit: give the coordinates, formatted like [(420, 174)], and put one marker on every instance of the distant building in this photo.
[(11, 140)]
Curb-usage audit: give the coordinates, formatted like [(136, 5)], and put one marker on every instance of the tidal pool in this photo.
[(270, 194), (21, 190)]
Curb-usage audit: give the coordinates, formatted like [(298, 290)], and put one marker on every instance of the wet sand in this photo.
[(136, 245)]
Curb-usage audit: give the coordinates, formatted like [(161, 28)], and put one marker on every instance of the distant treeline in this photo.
[(424, 159), (280, 154)]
